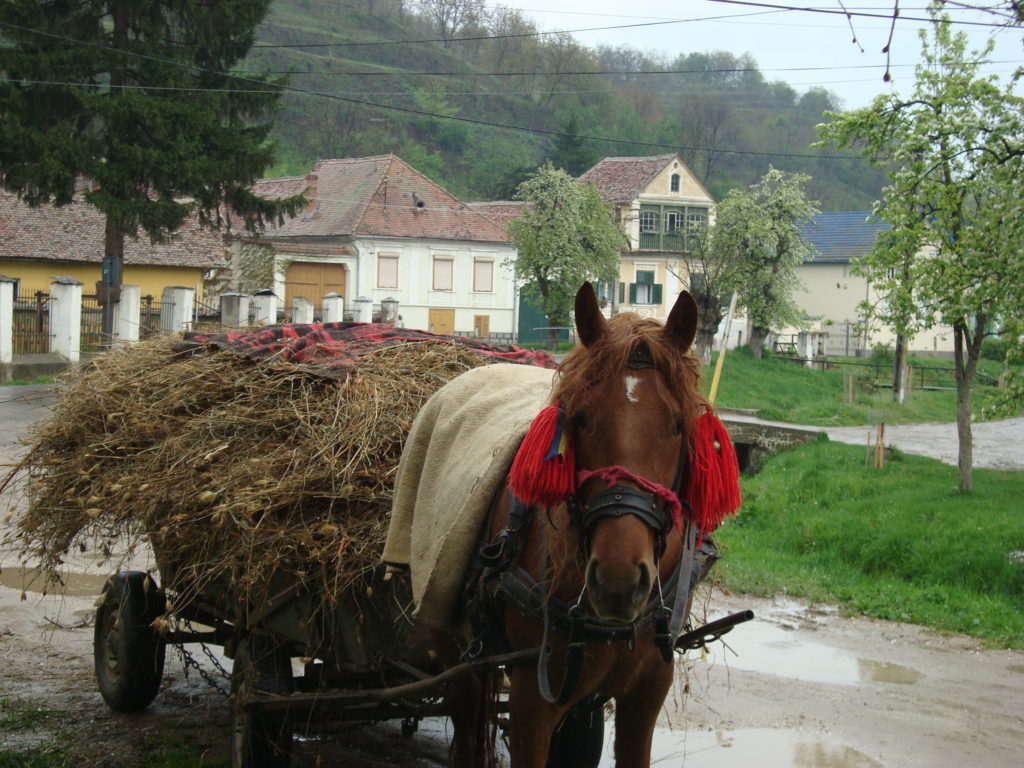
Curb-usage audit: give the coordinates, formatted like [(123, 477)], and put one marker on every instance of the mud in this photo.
[(799, 687)]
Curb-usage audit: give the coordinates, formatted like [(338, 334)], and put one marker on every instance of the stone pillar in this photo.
[(364, 309), (805, 348), (334, 308), (302, 310), (176, 309), (6, 320), (389, 311), (127, 313), (234, 310), (66, 318), (265, 307)]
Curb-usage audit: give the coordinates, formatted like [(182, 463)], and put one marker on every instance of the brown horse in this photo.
[(630, 399)]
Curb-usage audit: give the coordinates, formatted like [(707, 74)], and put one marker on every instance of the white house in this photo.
[(377, 229)]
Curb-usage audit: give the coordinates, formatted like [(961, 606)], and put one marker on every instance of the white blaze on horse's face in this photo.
[(631, 382)]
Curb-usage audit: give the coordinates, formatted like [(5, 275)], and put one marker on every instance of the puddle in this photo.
[(74, 584), (880, 672), (753, 746), (770, 649)]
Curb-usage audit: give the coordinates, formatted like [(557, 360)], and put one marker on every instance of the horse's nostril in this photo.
[(643, 584)]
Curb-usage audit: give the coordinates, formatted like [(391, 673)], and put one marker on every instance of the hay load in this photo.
[(237, 456)]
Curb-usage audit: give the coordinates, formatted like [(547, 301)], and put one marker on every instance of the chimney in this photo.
[(311, 192)]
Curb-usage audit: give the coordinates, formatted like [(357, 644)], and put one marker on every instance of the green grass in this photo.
[(36, 380), (899, 543), (781, 390)]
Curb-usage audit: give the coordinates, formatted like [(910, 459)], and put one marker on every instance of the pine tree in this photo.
[(134, 98)]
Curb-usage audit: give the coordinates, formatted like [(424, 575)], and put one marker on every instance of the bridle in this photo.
[(660, 509)]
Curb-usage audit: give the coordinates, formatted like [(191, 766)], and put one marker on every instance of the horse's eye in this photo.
[(581, 420), (677, 428)]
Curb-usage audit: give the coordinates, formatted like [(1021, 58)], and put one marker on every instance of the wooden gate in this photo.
[(312, 280)]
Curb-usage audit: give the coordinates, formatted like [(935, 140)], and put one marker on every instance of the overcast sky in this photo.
[(782, 42)]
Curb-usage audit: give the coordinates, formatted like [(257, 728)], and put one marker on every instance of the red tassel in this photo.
[(545, 466), (714, 487)]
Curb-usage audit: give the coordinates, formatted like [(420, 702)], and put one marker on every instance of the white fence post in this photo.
[(6, 320), (176, 308), (234, 310), (334, 308), (66, 318), (364, 309), (127, 313), (302, 310), (265, 307)]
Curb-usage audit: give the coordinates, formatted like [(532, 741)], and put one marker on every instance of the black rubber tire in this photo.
[(263, 739), (578, 740), (128, 653)]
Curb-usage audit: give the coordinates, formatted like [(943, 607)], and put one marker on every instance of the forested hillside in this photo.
[(376, 76)]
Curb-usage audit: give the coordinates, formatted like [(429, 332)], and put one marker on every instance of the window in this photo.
[(442, 273), (673, 222), (387, 270), (483, 275), (648, 221), (674, 183), (644, 290), (696, 223)]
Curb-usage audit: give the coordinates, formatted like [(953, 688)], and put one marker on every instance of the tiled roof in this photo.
[(379, 195), (501, 212), (842, 236), (75, 232), (622, 179)]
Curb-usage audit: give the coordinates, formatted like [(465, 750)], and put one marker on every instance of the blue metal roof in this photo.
[(842, 236)]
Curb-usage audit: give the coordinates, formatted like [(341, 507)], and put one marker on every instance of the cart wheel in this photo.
[(128, 653), (579, 739), (260, 739)]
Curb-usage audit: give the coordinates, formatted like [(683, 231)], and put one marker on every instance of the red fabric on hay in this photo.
[(333, 350)]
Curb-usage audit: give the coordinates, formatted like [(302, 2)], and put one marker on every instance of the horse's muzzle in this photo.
[(618, 591)]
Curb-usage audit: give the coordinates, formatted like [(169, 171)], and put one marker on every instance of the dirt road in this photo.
[(800, 686)]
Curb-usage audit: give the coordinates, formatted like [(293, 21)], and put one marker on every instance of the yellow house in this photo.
[(661, 206), (832, 291), (38, 243)]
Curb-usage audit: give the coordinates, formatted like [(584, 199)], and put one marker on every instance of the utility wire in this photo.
[(424, 113), (862, 14)]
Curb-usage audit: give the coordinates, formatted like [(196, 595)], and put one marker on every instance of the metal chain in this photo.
[(188, 660)]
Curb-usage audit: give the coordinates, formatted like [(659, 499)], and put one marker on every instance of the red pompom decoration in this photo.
[(544, 468), (714, 486)]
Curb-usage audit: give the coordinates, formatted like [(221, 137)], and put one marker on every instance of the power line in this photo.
[(424, 113), (860, 14)]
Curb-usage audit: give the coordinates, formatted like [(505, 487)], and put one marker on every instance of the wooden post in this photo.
[(880, 447), (867, 451)]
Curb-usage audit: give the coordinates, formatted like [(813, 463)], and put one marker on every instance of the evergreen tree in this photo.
[(133, 98)]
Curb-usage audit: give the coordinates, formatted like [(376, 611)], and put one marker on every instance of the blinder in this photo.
[(620, 500)]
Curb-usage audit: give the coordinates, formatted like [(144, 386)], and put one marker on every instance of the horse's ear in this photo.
[(590, 323), (681, 326)]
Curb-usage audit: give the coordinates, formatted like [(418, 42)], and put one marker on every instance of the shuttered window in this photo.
[(483, 275), (387, 270), (442, 273), (645, 290)]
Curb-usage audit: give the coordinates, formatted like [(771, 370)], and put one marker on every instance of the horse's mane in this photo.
[(586, 369)]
